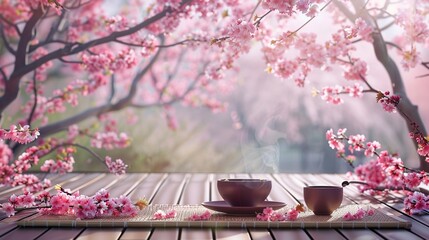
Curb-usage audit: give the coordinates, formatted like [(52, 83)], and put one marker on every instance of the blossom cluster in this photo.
[(422, 142), (63, 164), (388, 101), (73, 204), (117, 167), (332, 94), (385, 171), (20, 134), (416, 202)]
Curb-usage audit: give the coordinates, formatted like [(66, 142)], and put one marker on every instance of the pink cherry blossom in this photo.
[(20, 134), (360, 214), (117, 167), (416, 202), (161, 215), (268, 214), (8, 209), (364, 30), (200, 217)]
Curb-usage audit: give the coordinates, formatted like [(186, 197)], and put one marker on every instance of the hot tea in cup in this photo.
[(244, 192), (323, 200)]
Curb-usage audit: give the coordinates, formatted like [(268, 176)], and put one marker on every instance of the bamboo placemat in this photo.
[(221, 220)]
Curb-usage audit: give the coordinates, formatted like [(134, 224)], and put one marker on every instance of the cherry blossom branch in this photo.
[(95, 111), (254, 10), (259, 19), (21, 68), (90, 151), (309, 20), (176, 99), (172, 74), (164, 45), (408, 111)]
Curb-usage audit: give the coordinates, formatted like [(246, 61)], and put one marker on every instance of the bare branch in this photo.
[(68, 61), (33, 109), (55, 27), (254, 10), (176, 99), (3, 74), (6, 42), (172, 74), (12, 86), (394, 45), (10, 24), (112, 89)]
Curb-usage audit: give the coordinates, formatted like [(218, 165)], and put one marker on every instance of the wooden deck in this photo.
[(180, 188)]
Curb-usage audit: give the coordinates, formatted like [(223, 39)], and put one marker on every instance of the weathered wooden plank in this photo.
[(418, 229), (196, 192), (295, 187), (105, 234), (24, 233), (170, 193), (146, 189), (289, 234)]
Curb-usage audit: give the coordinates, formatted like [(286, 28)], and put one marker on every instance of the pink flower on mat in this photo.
[(269, 215), (360, 214), (160, 215), (200, 217), (292, 215)]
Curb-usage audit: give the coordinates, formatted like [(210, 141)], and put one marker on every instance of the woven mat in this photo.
[(221, 220)]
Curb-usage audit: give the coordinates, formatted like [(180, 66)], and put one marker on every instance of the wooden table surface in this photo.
[(182, 188)]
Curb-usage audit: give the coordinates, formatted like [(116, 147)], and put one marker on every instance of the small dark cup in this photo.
[(244, 192), (323, 200)]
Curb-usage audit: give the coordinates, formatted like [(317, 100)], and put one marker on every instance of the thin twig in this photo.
[(254, 10), (6, 42), (33, 109)]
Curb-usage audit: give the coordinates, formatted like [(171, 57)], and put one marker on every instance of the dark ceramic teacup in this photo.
[(323, 200), (244, 192)]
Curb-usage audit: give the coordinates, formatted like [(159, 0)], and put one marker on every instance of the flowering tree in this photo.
[(85, 56)]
